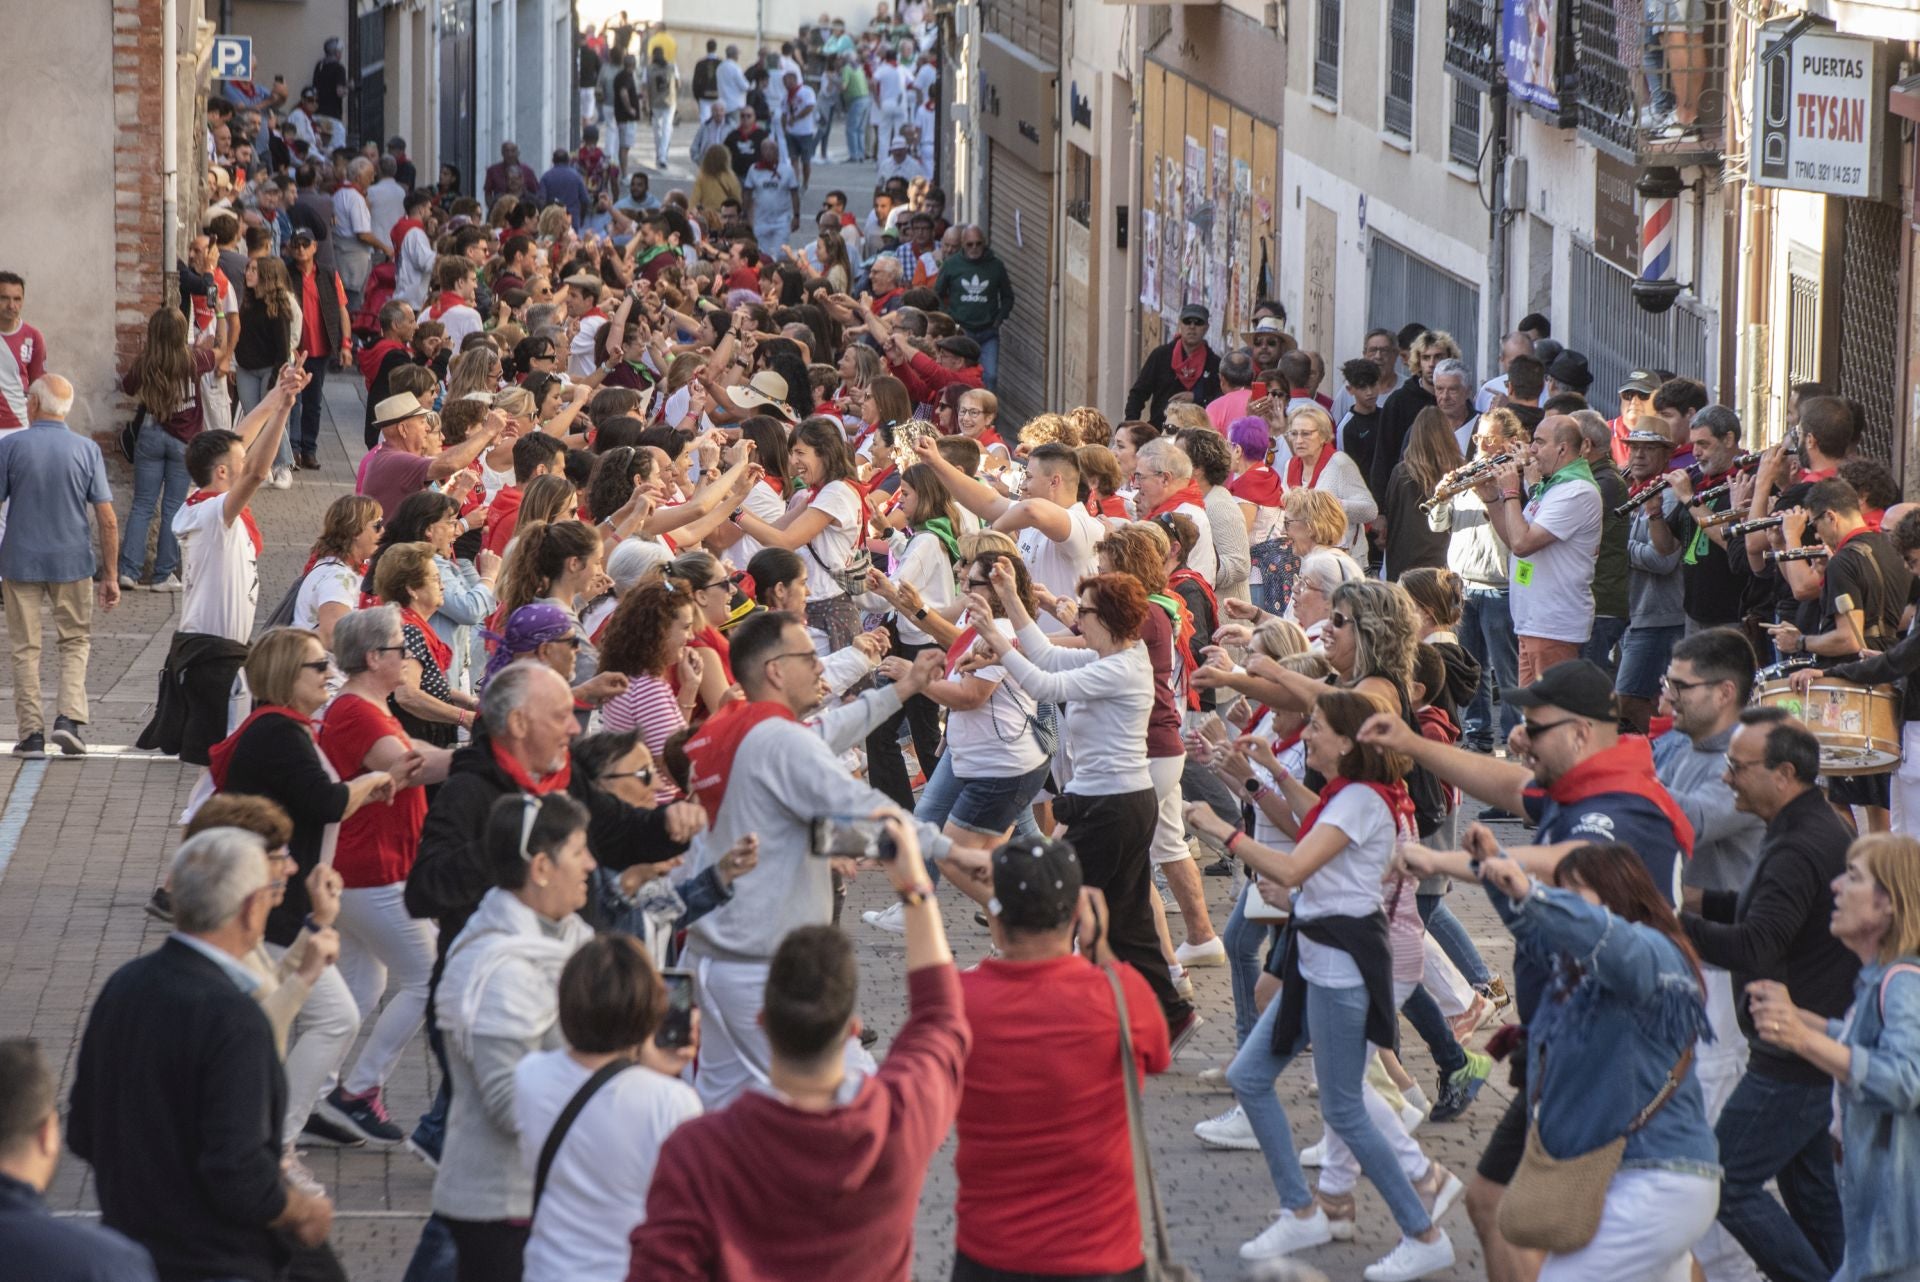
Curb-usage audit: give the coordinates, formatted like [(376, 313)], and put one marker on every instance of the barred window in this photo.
[(1399, 106), (1463, 136), (1326, 51)]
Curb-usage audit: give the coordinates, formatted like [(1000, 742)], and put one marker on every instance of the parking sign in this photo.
[(233, 57)]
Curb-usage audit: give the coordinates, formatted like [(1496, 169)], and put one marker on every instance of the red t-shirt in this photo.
[(503, 517), (379, 840), (1044, 1162)]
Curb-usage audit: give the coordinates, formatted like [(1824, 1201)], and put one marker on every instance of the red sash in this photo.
[(710, 751), (555, 782), (1626, 767), (447, 301), (220, 756), (246, 517), (1258, 485), (1180, 498), (1394, 794), (1296, 468), (442, 652)]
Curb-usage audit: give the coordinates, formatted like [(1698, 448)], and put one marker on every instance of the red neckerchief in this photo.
[(1187, 367), (775, 486), (1394, 794), (400, 229), (1849, 537), (1107, 505), (315, 558), (371, 358), (1626, 767), (1187, 574), (1875, 517), (1179, 498), (1181, 619), (958, 650), (220, 756), (880, 303), (711, 750), (1258, 485), (246, 517), (1296, 467), (1282, 744), (447, 301), (442, 652), (989, 438), (525, 782), (1634, 487), (1809, 477)]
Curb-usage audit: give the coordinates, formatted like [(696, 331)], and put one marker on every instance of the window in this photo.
[(1398, 116), (1463, 137), (1326, 51)]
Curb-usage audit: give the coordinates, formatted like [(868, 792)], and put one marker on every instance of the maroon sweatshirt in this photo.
[(763, 1192)]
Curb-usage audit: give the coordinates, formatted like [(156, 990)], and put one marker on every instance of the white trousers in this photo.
[(662, 135), (1340, 1171), (1443, 980), (378, 942), (1647, 1231), (323, 1033), (734, 1054), (1906, 781), (1170, 829), (1720, 1065)]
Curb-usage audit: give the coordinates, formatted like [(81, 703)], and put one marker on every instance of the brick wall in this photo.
[(139, 259)]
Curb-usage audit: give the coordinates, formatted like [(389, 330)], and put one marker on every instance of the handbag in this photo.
[(564, 1123), (1160, 1264), (130, 433), (1554, 1204)]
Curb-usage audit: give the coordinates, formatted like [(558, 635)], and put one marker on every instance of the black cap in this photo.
[(300, 234), (1194, 311), (1036, 884), (1576, 686), (1569, 369)]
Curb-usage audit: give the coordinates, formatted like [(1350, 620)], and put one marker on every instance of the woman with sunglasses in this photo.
[(430, 708), (704, 578), (466, 586), (274, 754), (647, 640), (330, 586), (379, 940)]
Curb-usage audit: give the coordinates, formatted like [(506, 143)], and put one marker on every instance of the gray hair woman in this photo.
[(382, 946), (1321, 571)]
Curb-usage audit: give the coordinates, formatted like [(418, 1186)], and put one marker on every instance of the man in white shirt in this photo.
[(799, 120), (900, 162), (583, 305), (413, 268), (1554, 541), (773, 197), (1515, 344), (387, 199), (732, 80), (354, 241), (889, 97)]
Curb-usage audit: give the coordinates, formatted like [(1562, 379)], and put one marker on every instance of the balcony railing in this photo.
[(1651, 90), (1473, 43)]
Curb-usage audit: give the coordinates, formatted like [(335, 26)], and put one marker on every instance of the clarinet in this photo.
[(1743, 528), (1694, 473), (1814, 553)]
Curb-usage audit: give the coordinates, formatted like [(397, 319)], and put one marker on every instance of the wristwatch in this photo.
[(918, 895), (920, 614), (1254, 787)]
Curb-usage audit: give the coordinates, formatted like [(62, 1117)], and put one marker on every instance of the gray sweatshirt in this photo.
[(1229, 527), (1655, 590), (1475, 552), (785, 775), (1726, 842)]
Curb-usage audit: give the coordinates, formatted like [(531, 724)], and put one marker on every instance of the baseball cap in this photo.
[(1642, 382), (1194, 311), (308, 91), (300, 235), (1036, 884), (1576, 686)]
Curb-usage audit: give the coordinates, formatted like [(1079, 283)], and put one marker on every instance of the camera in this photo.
[(851, 837)]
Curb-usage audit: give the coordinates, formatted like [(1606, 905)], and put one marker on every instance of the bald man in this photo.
[(50, 478), (1550, 520)]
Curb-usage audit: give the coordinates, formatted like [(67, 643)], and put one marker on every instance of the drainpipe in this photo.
[(170, 146), (1497, 309)]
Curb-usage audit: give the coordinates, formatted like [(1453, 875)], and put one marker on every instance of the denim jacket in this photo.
[(1879, 1165), (465, 604), (1620, 1008)]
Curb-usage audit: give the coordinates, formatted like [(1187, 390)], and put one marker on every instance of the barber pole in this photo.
[(1656, 238), (1659, 190)]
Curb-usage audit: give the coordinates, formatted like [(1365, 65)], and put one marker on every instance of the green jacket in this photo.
[(977, 293)]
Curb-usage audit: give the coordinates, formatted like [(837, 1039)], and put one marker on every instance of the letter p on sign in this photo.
[(233, 57)]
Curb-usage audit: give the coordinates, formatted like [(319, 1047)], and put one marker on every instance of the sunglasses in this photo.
[(1339, 620), (318, 665), (1534, 729)]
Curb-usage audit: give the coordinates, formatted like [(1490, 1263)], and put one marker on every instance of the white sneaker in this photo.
[(1290, 1233), (299, 1176), (129, 584), (1411, 1259), (891, 919), (169, 584), (1215, 1077), (1211, 953), (1232, 1129), (281, 479), (1314, 1154)]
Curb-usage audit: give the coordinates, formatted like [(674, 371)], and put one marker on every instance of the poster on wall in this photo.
[(1149, 261), (1240, 299), (1529, 32)]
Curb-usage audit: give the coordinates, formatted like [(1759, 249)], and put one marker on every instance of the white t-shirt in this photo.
[(219, 571), (1058, 567), (580, 362), (332, 581), (1202, 560), (1348, 885), (994, 740), (799, 101), (772, 207), (832, 548), (596, 1191), (919, 559), (889, 82), (462, 321), (769, 505), (1553, 589)]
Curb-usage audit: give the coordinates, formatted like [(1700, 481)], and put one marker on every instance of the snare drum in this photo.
[(1858, 726)]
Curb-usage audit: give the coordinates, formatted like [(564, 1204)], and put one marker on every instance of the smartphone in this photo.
[(1260, 391), (676, 1026), (851, 837)]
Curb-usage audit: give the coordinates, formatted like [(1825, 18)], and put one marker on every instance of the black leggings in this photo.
[(488, 1250), (970, 1270), (886, 765), (1111, 835)]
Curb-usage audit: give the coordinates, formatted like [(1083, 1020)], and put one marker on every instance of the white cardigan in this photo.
[(1341, 478)]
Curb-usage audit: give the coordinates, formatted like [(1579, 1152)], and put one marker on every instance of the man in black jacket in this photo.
[(1186, 364), (178, 1092), (1774, 1125)]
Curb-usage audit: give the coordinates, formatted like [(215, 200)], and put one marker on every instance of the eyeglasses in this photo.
[(1735, 766), (718, 583), (796, 654), (1339, 620), (1678, 686), (644, 774), (378, 524), (1534, 729), (399, 648), (318, 665), (968, 411), (529, 812)]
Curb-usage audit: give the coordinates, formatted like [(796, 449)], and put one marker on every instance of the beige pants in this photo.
[(72, 626)]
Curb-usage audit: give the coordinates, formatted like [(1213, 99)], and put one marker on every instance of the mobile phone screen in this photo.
[(676, 1026)]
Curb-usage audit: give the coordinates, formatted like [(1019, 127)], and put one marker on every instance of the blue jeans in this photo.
[(1243, 939), (989, 340), (939, 793), (435, 1259), (858, 110), (1644, 655), (1486, 630), (823, 131), (1453, 939), (1336, 1020), (310, 402), (1424, 1014), (1607, 631), (1772, 1129), (1198, 783), (159, 478)]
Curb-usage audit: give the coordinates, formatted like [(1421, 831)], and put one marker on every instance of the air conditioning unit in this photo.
[(1517, 184)]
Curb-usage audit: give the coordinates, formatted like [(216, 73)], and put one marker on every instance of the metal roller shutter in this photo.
[(1870, 338), (1020, 203)]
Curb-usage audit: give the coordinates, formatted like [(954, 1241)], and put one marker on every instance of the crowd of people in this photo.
[(687, 579)]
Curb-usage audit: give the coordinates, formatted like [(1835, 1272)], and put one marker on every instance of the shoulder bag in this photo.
[(1160, 1264), (1554, 1204), (564, 1123)]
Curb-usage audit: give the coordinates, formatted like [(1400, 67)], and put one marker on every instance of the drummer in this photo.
[(1863, 569), (1896, 664), (1656, 596)]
